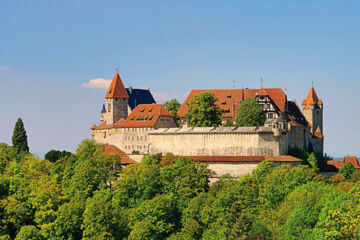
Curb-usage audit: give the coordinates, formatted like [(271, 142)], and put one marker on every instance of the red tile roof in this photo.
[(353, 160), (116, 89), (230, 99), (311, 99), (112, 150), (335, 165), (284, 158), (318, 133), (103, 125), (144, 115)]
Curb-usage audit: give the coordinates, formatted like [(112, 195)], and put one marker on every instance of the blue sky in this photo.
[(49, 49)]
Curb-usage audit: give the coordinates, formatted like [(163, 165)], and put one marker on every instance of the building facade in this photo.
[(304, 126), (133, 122), (127, 117)]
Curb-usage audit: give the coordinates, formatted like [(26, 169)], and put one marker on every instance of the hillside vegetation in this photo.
[(80, 196)]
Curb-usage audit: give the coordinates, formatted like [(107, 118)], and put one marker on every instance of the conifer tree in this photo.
[(19, 138)]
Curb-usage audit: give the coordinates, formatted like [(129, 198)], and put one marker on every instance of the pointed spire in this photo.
[(117, 89), (311, 99), (103, 110)]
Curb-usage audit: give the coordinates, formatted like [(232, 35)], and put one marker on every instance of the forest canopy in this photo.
[(81, 196)]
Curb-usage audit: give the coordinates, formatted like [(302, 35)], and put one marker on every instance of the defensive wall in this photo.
[(219, 141)]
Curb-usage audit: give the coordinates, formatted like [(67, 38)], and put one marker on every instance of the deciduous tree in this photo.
[(250, 114), (203, 112)]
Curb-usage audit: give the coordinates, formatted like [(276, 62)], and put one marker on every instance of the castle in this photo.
[(133, 122)]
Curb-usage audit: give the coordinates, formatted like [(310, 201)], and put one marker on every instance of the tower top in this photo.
[(116, 89), (311, 99)]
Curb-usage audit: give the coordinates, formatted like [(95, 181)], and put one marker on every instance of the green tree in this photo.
[(347, 170), (185, 178), (173, 107), (68, 221), (19, 138), (203, 112), (313, 162), (55, 155), (99, 219), (161, 215), (138, 183), (29, 232), (250, 113)]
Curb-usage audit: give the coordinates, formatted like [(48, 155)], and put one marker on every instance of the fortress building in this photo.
[(132, 121), (127, 117)]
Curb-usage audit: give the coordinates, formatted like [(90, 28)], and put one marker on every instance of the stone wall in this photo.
[(126, 139), (237, 169), (221, 141), (299, 136), (130, 139)]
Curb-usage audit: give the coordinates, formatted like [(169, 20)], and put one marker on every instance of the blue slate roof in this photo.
[(139, 96)]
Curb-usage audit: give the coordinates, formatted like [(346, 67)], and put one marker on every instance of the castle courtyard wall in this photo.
[(221, 141)]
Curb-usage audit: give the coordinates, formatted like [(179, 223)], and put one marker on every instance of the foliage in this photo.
[(203, 112), (55, 155), (347, 170), (19, 138), (250, 113), (88, 196), (135, 152), (173, 107), (313, 162)]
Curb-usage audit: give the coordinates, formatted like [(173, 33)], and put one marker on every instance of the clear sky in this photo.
[(49, 50)]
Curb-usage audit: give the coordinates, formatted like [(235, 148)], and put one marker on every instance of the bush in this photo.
[(347, 170)]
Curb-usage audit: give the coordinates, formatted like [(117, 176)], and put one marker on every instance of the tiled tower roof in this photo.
[(311, 99), (116, 89), (318, 133)]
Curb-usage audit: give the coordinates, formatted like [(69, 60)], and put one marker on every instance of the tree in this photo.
[(250, 114), (138, 183), (19, 138), (203, 112), (313, 162), (54, 155), (158, 216), (173, 107), (29, 232), (347, 170)]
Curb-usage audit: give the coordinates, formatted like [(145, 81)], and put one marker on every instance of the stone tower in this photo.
[(116, 102), (313, 112)]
